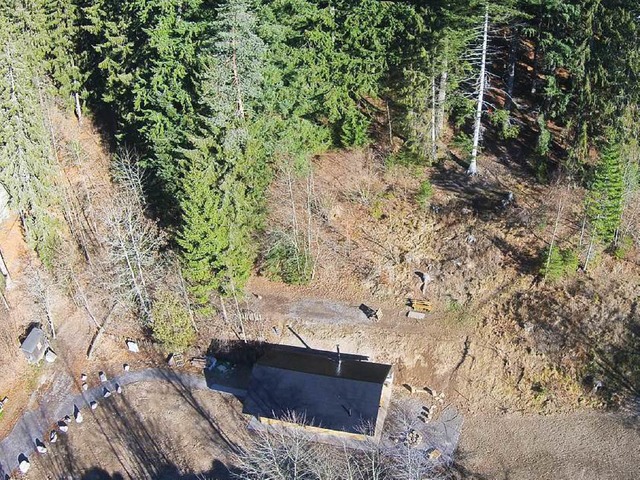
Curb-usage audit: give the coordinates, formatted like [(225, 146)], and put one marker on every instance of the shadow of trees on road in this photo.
[(139, 447), (218, 471)]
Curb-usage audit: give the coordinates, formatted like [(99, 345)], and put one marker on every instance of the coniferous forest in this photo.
[(212, 96), (204, 106)]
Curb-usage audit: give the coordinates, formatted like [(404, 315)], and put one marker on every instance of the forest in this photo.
[(210, 98), (206, 105)]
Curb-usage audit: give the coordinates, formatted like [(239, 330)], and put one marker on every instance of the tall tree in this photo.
[(62, 55), (226, 176), (144, 61), (27, 166), (605, 202)]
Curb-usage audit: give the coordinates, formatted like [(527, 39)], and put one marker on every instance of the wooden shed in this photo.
[(35, 345)]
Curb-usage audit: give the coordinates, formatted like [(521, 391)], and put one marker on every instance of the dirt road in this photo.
[(578, 446)]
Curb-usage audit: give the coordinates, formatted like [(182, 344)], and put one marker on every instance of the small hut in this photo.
[(35, 345)]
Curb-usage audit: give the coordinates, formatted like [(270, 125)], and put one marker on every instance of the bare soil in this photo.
[(581, 445)]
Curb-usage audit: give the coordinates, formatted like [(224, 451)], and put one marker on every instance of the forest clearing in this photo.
[(450, 191)]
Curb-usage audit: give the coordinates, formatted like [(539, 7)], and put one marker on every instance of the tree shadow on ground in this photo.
[(215, 433), (141, 448), (486, 197), (607, 341), (526, 263), (218, 471)]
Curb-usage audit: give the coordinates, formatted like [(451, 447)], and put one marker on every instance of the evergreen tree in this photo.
[(144, 61), (226, 175), (605, 200), (62, 62), (27, 167)]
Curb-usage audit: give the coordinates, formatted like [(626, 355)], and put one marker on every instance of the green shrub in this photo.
[(463, 142), (170, 323), (288, 263), (506, 129), (377, 212), (425, 192), (558, 263), (405, 157), (544, 137), (625, 245), (354, 131)]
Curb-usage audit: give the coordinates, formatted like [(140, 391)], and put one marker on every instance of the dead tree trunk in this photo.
[(76, 98), (434, 127), (442, 97), (513, 55), (3, 268), (101, 328), (236, 80), (473, 165)]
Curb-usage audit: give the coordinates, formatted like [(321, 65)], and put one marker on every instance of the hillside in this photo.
[(450, 189)]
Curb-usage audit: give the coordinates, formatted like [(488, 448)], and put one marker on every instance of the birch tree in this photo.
[(133, 240)]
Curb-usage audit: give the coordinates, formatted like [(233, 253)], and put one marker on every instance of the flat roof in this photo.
[(334, 395)]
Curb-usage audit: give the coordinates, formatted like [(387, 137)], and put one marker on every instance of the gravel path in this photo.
[(576, 446), (37, 424)]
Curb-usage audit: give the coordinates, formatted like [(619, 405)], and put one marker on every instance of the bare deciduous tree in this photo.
[(280, 452), (133, 240), (40, 284)]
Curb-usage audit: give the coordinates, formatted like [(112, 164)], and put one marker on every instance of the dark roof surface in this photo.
[(311, 385), (30, 343)]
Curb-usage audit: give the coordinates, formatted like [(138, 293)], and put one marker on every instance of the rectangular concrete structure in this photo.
[(331, 394)]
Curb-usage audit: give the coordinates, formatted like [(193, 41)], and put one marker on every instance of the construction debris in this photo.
[(176, 360), (413, 438), (425, 280), (419, 305), (370, 313), (198, 362), (434, 454), (416, 315)]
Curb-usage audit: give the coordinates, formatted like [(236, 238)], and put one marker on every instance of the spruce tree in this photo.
[(226, 174), (61, 56), (27, 167), (605, 199), (145, 55)]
